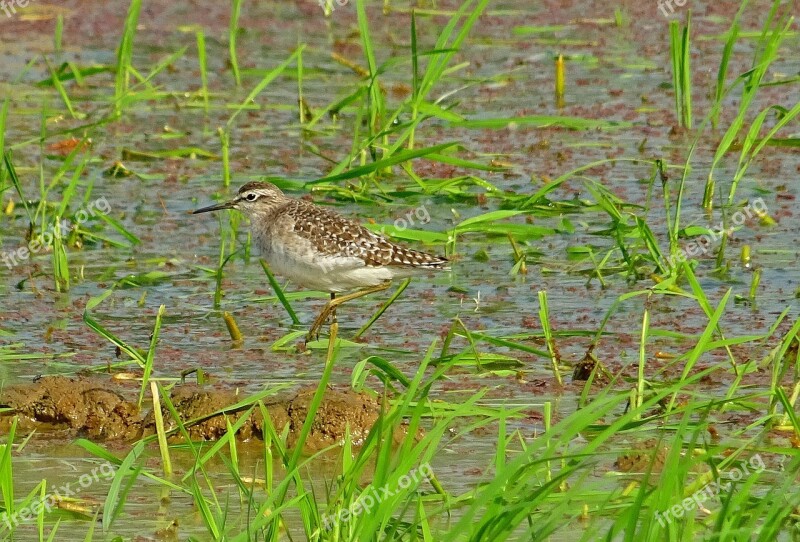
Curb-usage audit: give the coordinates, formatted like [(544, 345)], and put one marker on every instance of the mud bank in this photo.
[(105, 410)]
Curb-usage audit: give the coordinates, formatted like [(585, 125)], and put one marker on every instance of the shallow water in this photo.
[(613, 73)]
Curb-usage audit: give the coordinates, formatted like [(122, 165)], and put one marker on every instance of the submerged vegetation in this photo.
[(600, 363)]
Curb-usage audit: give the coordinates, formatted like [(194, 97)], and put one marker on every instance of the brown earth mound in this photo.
[(105, 410)]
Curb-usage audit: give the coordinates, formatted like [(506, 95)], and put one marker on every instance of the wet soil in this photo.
[(104, 409), (615, 71)]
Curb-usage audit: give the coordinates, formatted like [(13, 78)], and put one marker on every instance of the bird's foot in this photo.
[(312, 335)]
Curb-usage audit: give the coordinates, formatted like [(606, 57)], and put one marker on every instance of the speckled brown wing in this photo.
[(334, 235)]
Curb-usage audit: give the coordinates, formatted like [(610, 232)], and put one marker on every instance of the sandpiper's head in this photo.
[(253, 198)]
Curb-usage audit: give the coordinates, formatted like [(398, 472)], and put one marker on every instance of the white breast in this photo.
[(306, 268)]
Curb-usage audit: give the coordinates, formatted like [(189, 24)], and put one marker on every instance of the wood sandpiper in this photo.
[(319, 249)]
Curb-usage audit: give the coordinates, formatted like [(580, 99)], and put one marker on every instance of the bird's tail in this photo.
[(414, 258)]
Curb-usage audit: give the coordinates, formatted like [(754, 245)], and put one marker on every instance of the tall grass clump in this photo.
[(680, 52), (775, 30), (125, 55)]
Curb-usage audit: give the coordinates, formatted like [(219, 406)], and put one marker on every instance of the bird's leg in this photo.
[(330, 307), (313, 332), (333, 307)]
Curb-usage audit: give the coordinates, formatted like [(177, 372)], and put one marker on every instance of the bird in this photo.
[(319, 249)]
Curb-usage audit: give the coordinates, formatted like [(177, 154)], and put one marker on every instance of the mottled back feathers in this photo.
[(334, 235)]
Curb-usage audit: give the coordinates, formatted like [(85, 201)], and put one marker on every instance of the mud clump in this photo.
[(77, 405), (203, 405), (337, 411), (105, 410)]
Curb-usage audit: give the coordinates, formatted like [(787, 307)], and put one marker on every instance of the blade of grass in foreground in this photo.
[(12, 173), (115, 500), (201, 60), (766, 52), (376, 103), (555, 183), (163, 446), (58, 34), (544, 318), (292, 466), (151, 352), (204, 510), (216, 446), (414, 78), (60, 266), (3, 117), (6, 473), (446, 47), (396, 158), (383, 308), (125, 54), (279, 292), (681, 70), (733, 34), (702, 343), (233, 30), (103, 332), (526, 496), (542, 121), (266, 80), (62, 91)]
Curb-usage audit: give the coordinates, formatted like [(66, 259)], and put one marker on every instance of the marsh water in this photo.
[(616, 70)]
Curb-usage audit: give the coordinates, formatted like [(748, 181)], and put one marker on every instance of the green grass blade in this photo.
[(58, 34), (544, 318), (383, 308), (375, 95), (61, 90), (201, 60), (6, 471), (279, 292), (93, 324), (266, 80), (115, 500), (722, 73), (125, 54), (396, 158), (233, 31), (60, 266), (12, 173), (151, 353)]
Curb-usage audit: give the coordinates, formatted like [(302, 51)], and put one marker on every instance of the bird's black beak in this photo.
[(218, 207)]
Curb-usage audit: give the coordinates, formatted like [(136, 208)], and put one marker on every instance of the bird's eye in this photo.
[(250, 197)]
